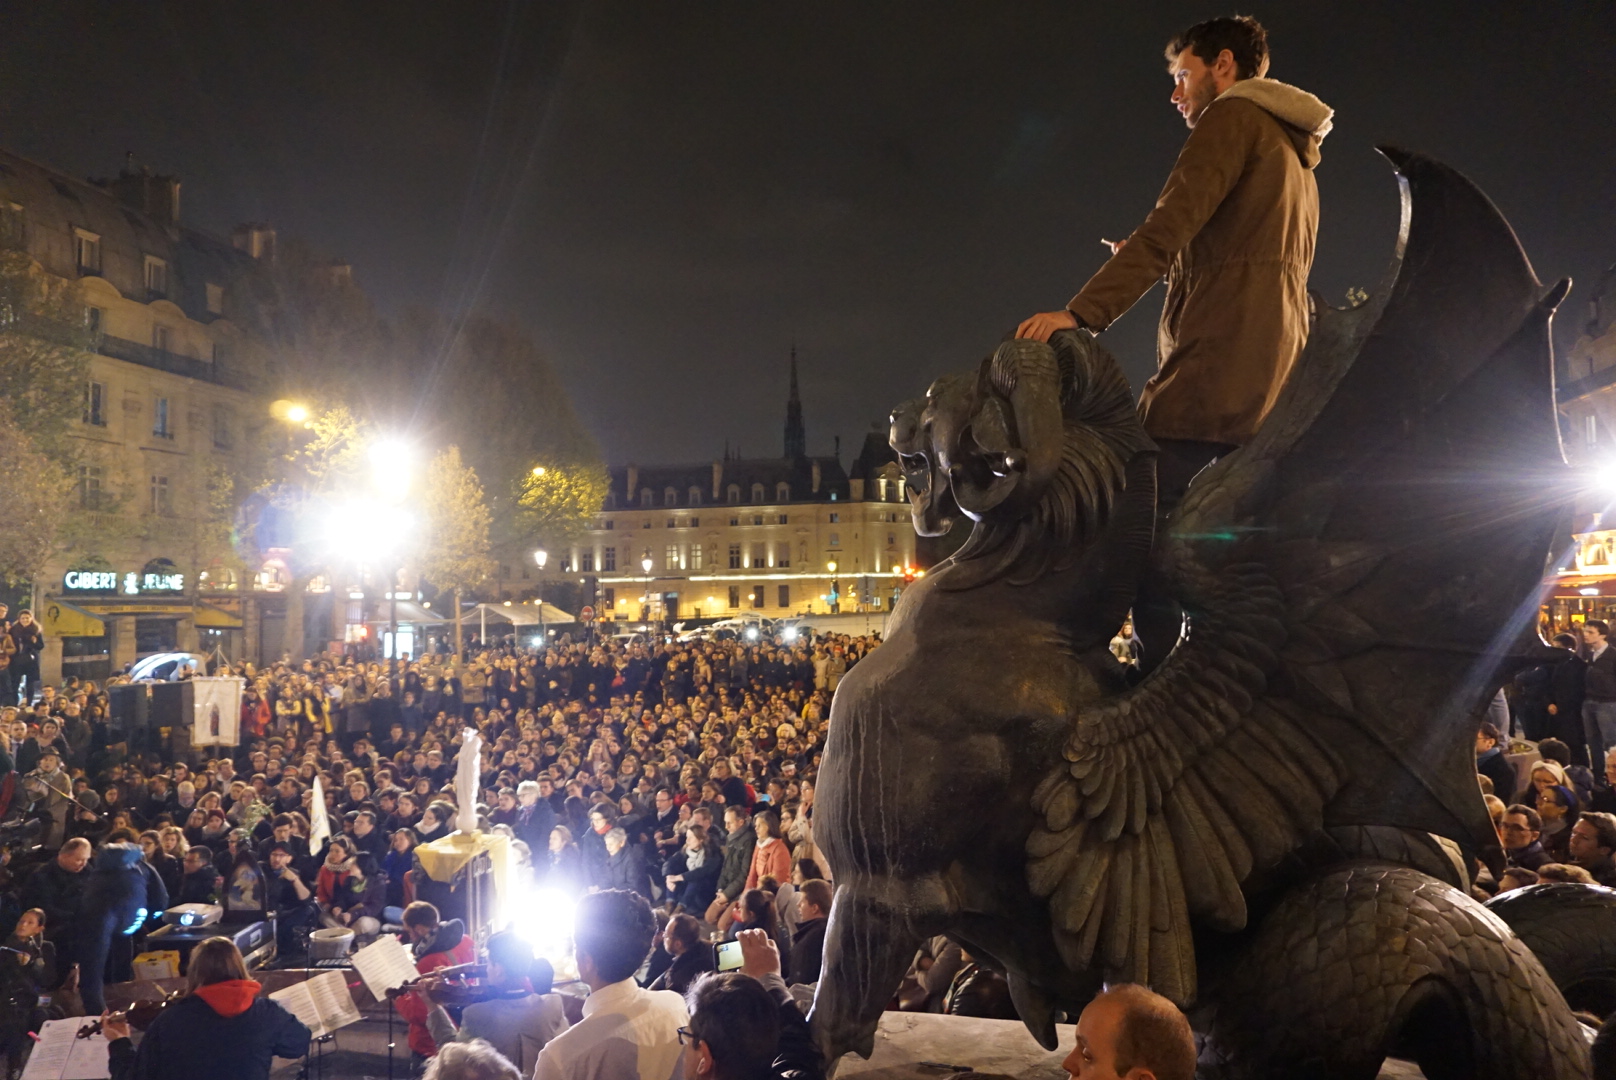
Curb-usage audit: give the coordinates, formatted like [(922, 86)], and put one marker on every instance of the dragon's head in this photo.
[(1032, 446)]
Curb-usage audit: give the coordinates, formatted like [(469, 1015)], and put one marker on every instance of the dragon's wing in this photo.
[(1409, 478)]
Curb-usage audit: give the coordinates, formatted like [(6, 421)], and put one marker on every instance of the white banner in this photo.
[(216, 720)]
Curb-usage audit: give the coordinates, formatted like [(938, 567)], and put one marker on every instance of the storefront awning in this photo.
[(521, 614), (1581, 586), (216, 618), (63, 619)]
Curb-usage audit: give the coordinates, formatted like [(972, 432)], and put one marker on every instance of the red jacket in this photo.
[(448, 947)]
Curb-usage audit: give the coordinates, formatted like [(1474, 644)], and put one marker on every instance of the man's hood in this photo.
[(119, 856), (1308, 118), (446, 937)]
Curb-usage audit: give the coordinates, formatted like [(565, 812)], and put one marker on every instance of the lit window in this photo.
[(160, 426), (670, 558), (695, 556)]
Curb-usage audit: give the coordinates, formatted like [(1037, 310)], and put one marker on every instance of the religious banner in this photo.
[(216, 711)]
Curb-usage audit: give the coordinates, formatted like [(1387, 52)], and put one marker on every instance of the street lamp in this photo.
[(835, 591), (541, 557)]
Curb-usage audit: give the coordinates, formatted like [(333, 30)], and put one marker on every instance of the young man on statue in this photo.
[(1233, 233)]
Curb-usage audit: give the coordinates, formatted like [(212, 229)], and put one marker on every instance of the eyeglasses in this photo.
[(686, 1033)]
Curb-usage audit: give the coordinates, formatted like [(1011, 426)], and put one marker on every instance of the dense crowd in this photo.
[(680, 772)]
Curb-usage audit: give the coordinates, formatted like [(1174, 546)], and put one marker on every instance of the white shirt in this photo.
[(626, 1032)]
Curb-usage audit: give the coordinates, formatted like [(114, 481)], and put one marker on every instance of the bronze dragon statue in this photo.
[(1276, 827)]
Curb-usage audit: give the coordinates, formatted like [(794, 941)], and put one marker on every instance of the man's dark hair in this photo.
[(511, 952), (1533, 822), (738, 1021), (1152, 1033), (1601, 625), (1242, 35), (616, 929), (1566, 641), (1488, 731), (1555, 751), (818, 893), (685, 930), (1604, 828)]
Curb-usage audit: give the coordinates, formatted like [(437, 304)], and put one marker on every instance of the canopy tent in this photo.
[(523, 614), (409, 612)]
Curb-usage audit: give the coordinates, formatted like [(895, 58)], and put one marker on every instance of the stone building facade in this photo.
[(752, 536), (173, 402)]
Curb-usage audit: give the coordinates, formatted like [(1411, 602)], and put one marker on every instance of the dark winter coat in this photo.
[(222, 1030)]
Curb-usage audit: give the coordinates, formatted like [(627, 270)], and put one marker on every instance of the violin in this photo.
[(139, 1015), (474, 970)]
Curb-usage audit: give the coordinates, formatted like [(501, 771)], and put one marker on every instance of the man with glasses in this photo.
[(1522, 832), (745, 1025)]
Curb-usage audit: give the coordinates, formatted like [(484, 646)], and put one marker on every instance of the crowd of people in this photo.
[(678, 772)]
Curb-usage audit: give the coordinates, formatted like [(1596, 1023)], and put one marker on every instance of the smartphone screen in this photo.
[(729, 956)]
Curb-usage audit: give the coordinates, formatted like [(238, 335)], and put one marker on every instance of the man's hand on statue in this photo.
[(1041, 326), (760, 956), (1114, 245)]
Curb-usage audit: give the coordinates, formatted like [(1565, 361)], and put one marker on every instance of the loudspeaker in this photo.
[(173, 704), (130, 711)]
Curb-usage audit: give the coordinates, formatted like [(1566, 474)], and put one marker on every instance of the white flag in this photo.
[(319, 823), (467, 778)]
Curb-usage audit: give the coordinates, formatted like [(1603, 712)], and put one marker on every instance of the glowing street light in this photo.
[(297, 414)]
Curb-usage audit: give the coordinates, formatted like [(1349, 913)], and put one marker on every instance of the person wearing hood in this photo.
[(115, 899), (1233, 232), (221, 1027), (435, 945)]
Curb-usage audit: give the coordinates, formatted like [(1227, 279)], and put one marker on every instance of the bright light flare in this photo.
[(366, 530), (543, 918), (751, 633), (789, 634), (392, 465)]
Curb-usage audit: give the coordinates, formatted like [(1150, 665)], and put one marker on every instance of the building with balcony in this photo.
[(173, 400), (751, 536)]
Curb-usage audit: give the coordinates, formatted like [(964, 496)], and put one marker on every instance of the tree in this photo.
[(455, 543), (44, 368), (555, 504)]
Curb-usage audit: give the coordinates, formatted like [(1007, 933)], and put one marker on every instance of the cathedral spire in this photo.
[(796, 437)]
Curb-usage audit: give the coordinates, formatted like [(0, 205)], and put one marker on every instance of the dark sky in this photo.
[(671, 194)]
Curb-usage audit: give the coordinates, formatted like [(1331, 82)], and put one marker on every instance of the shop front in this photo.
[(99, 621)]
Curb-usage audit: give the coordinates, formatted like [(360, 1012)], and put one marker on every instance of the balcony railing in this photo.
[(174, 363)]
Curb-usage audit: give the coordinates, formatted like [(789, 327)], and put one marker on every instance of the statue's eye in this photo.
[(913, 462)]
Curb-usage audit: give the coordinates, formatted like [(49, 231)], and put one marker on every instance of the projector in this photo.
[(193, 915)]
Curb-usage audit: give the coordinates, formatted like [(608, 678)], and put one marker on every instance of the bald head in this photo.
[(1131, 1033)]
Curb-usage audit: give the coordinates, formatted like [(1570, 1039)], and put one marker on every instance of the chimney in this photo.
[(633, 485), (154, 196), (816, 477), (256, 239), (718, 480), (856, 492)]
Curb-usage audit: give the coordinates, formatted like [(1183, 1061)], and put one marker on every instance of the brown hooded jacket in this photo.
[(1233, 231)]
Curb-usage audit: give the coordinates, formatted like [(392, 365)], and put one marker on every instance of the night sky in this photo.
[(672, 194)]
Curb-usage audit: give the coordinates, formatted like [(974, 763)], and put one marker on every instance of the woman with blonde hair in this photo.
[(220, 1028)]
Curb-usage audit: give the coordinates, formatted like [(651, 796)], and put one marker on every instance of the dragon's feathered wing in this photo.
[(1352, 577)]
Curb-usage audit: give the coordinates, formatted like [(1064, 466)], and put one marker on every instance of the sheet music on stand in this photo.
[(384, 964), (323, 1003), (61, 1055)]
